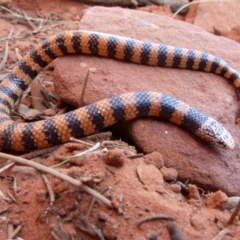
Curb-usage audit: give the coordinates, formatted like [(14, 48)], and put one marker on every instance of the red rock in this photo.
[(41, 195), (155, 158), (193, 192), (169, 174), (195, 160), (219, 15), (149, 175), (175, 187), (49, 112), (234, 34), (217, 200), (115, 158), (111, 229)]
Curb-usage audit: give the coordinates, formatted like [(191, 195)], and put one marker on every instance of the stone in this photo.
[(149, 175), (217, 199), (194, 160), (232, 202), (219, 15), (169, 174), (114, 158), (155, 158), (193, 192), (175, 187), (49, 112), (153, 235)]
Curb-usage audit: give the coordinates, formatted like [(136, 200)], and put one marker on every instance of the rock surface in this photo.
[(195, 160), (222, 15)]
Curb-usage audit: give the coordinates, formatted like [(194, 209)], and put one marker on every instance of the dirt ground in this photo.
[(144, 198)]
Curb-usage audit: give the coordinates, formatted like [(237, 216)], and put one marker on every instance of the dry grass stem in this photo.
[(94, 199), (17, 52), (54, 236), (138, 155), (5, 2), (15, 232), (19, 15), (194, 2), (31, 24), (234, 214), (22, 18), (84, 88), (2, 76), (174, 232), (58, 175), (4, 210), (40, 152), (111, 144), (49, 188), (222, 234), (93, 148), (6, 167), (15, 188), (81, 141), (157, 217), (97, 136), (10, 229), (2, 196), (13, 199), (5, 56)]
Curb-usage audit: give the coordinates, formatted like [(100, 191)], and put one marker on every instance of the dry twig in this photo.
[(157, 217), (137, 155), (15, 232), (57, 174), (49, 188), (15, 188), (93, 148), (234, 214), (174, 232), (4, 210), (5, 56), (2, 196), (5, 2), (94, 199), (10, 229), (223, 233), (81, 141), (84, 88), (6, 167), (40, 152), (12, 197)]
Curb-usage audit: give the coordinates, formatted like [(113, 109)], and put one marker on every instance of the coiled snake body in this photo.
[(86, 120)]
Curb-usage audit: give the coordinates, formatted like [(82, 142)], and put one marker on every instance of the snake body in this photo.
[(91, 118)]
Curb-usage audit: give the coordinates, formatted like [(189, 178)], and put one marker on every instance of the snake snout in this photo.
[(215, 133)]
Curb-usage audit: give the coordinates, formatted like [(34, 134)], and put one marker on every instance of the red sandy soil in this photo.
[(135, 186)]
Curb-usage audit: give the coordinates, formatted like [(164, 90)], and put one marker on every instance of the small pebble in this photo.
[(152, 235), (232, 202), (176, 6), (218, 200), (115, 158), (193, 192), (49, 112), (155, 158), (169, 174), (41, 196), (175, 188)]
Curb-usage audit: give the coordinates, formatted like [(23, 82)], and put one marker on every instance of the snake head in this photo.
[(212, 131)]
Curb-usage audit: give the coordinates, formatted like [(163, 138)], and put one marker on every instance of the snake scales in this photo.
[(86, 120)]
